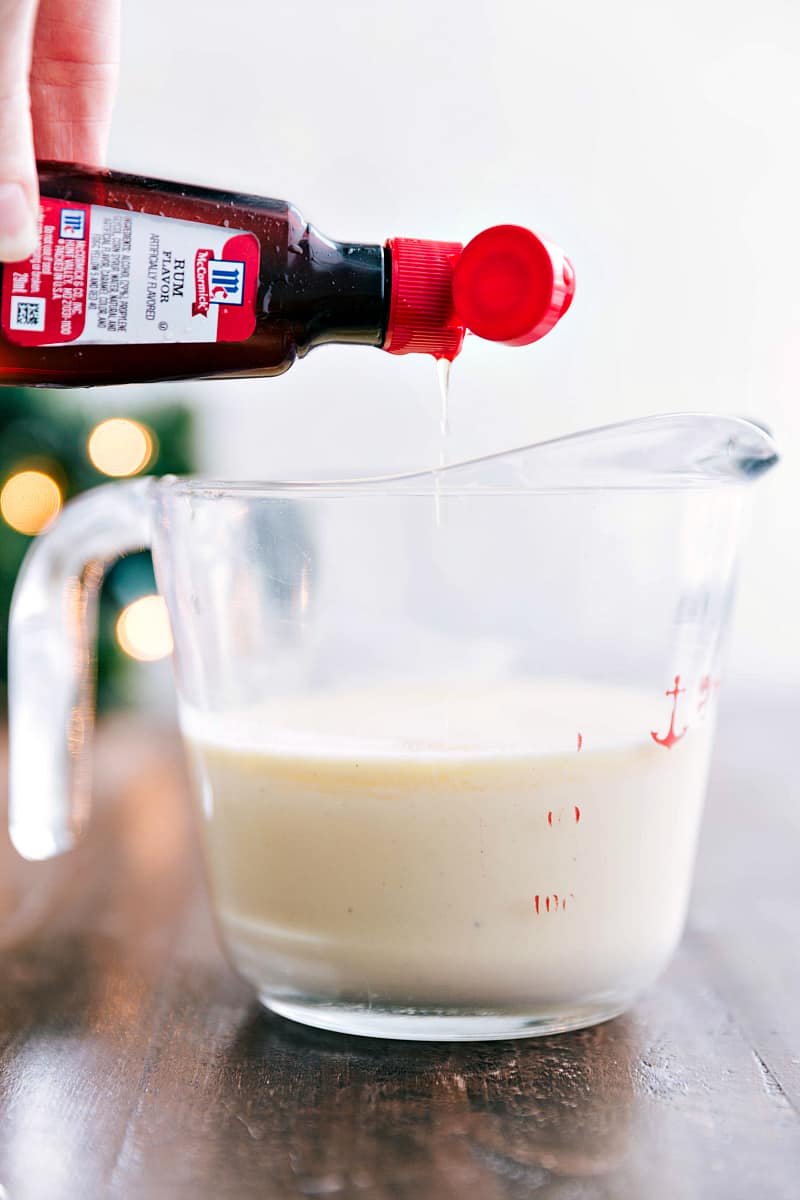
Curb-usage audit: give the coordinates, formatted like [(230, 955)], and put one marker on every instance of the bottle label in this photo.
[(107, 276)]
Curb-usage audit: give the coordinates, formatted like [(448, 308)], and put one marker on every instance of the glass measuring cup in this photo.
[(450, 731)]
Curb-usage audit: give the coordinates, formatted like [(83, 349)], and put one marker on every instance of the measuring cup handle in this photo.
[(51, 677)]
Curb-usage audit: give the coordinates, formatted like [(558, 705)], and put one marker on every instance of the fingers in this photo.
[(74, 77), (58, 74), (19, 192)]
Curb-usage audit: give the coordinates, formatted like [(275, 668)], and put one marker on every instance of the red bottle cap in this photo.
[(421, 317), (511, 286), (506, 285)]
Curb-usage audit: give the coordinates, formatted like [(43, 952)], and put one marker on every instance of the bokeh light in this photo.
[(30, 500), (120, 446), (143, 629)]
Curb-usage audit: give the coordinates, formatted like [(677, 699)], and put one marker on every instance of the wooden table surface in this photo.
[(134, 1063)]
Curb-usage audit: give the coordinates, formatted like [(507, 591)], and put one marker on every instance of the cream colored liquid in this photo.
[(452, 847)]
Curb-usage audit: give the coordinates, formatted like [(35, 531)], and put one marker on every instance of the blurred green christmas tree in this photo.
[(50, 451)]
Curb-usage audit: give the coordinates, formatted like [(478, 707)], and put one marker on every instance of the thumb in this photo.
[(19, 189)]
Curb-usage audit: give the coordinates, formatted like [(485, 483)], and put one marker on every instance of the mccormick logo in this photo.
[(216, 281), (72, 224), (201, 297)]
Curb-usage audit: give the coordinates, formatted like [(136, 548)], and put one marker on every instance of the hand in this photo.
[(58, 74)]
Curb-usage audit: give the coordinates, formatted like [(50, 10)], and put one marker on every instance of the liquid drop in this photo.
[(443, 369)]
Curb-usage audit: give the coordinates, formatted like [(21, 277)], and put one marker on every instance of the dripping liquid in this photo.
[(443, 368)]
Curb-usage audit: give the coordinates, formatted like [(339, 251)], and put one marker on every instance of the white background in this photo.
[(657, 143)]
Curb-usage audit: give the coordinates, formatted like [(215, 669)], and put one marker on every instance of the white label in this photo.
[(109, 276)]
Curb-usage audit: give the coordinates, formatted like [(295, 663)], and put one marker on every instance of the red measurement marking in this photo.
[(707, 685), (705, 690), (580, 740), (556, 817), (551, 903), (671, 737)]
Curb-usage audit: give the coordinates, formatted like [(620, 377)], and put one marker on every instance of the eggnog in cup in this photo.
[(521, 849)]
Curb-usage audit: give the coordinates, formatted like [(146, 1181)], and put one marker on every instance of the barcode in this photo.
[(27, 312)]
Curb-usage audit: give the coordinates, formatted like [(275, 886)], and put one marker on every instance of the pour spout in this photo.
[(676, 450), (670, 451)]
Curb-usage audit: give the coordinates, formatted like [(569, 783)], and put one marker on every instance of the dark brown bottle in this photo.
[(138, 279)]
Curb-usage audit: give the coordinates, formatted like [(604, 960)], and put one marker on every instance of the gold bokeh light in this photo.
[(143, 629), (29, 501), (120, 446)]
